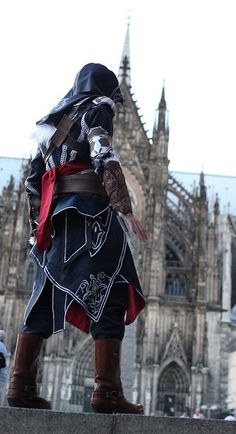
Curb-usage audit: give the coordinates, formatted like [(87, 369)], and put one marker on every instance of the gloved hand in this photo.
[(134, 226)]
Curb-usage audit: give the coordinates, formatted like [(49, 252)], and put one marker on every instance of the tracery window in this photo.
[(82, 376), (4, 269), (175, 284), (173, 390)]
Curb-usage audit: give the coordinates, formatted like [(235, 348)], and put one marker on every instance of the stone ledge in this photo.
[(25, 421)]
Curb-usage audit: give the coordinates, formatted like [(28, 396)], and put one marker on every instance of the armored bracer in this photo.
[(116, 188), (109, 169)]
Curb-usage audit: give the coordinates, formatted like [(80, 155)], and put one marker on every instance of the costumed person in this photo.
[(198, 414), (78, 201), (230, 416), (3, 367)]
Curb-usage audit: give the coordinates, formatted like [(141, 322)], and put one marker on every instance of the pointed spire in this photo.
[(126, 47), (161, 116), (162, 103), (217, 206), (203, 195), (124, 70)]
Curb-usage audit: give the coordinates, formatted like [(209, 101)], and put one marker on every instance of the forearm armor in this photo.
[(116, 188), (34, 209)]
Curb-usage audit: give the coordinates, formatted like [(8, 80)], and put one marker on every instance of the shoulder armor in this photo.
[(105, 100)]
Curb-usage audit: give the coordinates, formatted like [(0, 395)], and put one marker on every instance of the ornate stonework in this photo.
[(177, 352)]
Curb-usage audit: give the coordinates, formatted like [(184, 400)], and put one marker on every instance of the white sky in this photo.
[(188, 43)]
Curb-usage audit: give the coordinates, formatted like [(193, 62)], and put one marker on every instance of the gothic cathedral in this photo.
[(182, 340)]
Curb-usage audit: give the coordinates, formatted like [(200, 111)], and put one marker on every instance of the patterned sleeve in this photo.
[(33, 188), (106, 163), (99, 133), (37, 170)]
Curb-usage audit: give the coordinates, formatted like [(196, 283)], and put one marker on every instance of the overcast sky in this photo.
[(188, 43)]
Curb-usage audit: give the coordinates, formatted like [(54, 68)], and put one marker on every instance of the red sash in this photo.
[(43, 237)]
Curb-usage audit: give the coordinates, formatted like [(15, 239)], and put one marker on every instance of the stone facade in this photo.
[(232, 380), (177, 353)]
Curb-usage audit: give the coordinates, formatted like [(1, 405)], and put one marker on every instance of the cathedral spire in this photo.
[(124, 69), (217, 206), (161, 119), (162, 103), (203, 195)]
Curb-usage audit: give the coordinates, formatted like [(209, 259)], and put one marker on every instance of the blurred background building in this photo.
[(181, 351)]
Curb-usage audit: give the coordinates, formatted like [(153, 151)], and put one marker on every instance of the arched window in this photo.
[(4, 269), (173, 390), (82, 377), (172, 259), (175, 284)]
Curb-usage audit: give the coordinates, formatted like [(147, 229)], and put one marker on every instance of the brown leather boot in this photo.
[(22, 391), (107, 396)]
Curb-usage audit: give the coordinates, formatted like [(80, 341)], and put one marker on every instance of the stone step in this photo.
[(26, 421)]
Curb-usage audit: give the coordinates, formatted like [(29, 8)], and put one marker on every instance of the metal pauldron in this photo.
[(99, 140)]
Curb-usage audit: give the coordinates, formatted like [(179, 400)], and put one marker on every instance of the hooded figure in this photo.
[(92, 80), (78, 202)]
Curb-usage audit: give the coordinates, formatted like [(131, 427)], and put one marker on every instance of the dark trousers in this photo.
[(110, 325)]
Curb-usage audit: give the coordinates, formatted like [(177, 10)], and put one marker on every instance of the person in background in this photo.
[(4, 370), (198, 414), (80, 212), (185, 413), (231, 415)]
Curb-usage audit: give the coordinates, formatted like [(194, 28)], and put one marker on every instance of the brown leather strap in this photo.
[(85, 183), (59, 136), (64, 127), (72, 143)]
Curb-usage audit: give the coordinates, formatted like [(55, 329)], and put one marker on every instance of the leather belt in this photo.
[(85, 183)]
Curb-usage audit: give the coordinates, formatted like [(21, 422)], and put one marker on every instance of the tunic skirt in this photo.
[(89, 253)]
